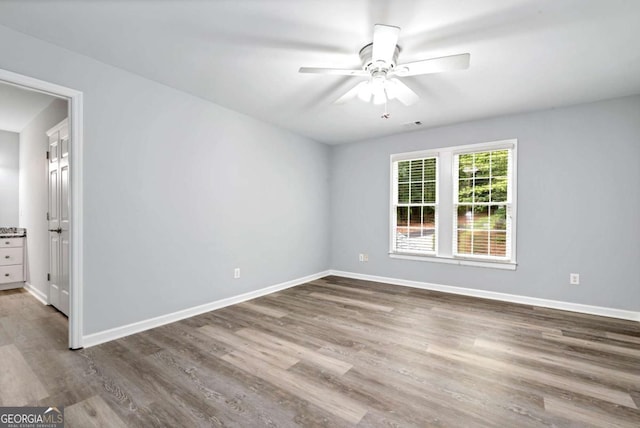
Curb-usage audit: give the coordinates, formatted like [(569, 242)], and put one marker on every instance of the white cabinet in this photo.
[(11, 262)]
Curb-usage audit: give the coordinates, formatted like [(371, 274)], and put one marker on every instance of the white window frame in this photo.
[(446, 204), (394, 199)]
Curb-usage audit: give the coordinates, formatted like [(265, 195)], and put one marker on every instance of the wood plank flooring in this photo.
[(335, 352)]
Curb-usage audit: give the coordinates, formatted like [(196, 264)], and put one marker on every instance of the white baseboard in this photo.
[(126, 330), (42, 297), (533, 301), (137, 327)]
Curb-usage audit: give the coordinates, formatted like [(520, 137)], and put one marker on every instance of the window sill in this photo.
[(456, 261)]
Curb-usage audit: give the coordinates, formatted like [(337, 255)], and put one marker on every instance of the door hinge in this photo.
[(47, 154), (48, 277), (47, 216)]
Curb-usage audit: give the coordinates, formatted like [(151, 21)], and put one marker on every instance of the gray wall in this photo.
[(578, 204), (9, 164), (34, 193), (179, 191)]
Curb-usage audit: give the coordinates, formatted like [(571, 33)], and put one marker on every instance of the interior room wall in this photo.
[(179, 191), (578, 204), (9, 183), (34, 193)]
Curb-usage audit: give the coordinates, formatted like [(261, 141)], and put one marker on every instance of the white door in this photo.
[(59, 218)]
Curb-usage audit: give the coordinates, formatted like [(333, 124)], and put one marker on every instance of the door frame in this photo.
[(75, 115)]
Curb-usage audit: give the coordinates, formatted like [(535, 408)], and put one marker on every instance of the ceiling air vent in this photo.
[(413, 124)]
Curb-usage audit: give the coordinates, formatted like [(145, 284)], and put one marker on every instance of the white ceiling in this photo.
[(245, 54), (19, 106)]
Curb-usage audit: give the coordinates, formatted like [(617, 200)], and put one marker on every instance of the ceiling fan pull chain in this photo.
[(386, 114)]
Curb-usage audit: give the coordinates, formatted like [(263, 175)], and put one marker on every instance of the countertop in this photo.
[(12, 232)]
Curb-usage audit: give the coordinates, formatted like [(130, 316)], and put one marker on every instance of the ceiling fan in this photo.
[(379, 65)]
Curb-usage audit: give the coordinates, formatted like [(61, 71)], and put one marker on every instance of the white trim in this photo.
[(42, 297), (76, 275), (455, 261), (37, 85), (75, 115), (136, 327), (394, 204), (466, 148), (490, 146), (429, 153), (504, 297)]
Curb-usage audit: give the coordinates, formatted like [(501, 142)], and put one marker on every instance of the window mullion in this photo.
[(445, 201)]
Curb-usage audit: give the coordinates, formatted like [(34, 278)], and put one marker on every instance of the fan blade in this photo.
[(334, 71), (433, 65), (401, 92), (385, 39), (351, 93)]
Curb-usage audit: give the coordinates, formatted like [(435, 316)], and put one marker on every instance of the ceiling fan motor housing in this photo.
[(378, 67)]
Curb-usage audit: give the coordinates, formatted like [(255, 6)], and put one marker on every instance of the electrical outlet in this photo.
[(366, 258), (361, 257), (574, 278), (236, 273)]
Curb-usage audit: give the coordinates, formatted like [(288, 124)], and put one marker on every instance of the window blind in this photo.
[(482, 212), (415, 207)]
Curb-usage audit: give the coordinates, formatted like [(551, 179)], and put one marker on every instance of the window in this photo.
[(415, 206), (482, 206), (455, 205)]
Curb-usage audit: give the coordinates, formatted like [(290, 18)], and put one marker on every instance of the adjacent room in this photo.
[(303, 213)]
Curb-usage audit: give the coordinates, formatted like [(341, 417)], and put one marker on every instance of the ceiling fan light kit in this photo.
[(379, 65)]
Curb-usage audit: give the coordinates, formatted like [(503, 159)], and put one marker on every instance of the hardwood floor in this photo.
[(334, 352)]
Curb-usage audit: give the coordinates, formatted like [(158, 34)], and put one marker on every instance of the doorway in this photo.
[(74, 186)]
